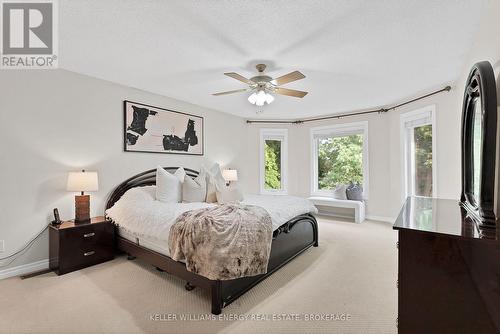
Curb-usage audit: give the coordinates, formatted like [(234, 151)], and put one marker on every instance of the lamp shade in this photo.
[(230, 174), (82, 181)]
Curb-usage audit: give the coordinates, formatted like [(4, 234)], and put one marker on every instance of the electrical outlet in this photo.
[(2, 246)]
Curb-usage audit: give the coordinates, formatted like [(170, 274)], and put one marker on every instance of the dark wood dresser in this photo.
[(76, 246), (449, 270)]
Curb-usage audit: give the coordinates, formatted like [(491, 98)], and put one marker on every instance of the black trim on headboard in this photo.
[(147, 178)]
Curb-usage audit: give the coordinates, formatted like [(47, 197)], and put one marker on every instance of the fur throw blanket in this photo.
[(223, 242)]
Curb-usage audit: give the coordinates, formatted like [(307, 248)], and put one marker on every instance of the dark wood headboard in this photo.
[(147, 178)]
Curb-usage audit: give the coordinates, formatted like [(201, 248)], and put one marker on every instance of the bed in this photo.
[(290, 239)]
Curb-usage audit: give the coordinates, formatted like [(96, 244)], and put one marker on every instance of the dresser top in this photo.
[(441, 216)]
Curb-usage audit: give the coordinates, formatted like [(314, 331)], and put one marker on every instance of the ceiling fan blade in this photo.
[(292, 76), (239, 77), (290, 92), (231, 92)]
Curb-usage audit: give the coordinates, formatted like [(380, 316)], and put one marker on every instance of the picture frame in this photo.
[(151, 129)]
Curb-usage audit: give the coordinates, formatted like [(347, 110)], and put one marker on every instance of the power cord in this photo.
[(23, 249)]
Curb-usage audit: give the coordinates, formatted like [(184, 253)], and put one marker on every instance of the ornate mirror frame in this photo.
[(480, 92)]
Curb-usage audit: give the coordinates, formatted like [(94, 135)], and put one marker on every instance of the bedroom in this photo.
[(169, 57)]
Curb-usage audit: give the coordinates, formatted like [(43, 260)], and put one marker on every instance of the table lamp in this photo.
[(81, 182), (230, 175)]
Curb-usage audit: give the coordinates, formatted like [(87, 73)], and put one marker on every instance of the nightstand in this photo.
[(75, 246)]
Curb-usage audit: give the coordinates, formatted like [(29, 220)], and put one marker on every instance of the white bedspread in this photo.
[(281, 208), (139, 213)]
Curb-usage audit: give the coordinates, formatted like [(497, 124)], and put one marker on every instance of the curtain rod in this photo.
[(378, 111)]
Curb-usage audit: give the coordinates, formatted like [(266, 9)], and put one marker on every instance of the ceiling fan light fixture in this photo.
[(269, 98), (263, 85), (261, 97), (252, 98)]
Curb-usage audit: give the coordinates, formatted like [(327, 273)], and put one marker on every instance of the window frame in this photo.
[(339, 130), (274, 134), (421, 114)]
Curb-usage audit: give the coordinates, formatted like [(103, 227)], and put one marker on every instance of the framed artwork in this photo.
[(159, 130)]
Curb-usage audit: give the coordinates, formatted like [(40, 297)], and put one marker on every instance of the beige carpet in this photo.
[(353, 272)]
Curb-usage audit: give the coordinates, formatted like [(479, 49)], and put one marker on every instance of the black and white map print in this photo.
[(153, 129)]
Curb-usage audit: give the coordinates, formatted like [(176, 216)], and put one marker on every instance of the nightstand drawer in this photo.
[(87, 237), (88, 257)]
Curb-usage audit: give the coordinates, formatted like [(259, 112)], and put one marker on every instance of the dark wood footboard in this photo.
[(290, 240)]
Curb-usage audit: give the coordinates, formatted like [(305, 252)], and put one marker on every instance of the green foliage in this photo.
[(423, 160), (273, 164), (340, 161)]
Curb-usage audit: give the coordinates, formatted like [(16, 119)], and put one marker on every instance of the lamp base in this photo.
[(82, 209)]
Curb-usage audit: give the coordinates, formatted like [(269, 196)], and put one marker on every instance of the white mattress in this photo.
[(141, 217), (153, 244)]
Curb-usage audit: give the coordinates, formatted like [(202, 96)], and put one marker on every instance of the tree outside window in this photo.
[(422, 137), (340, 161), (272, 164), (273, 161), (417, 131)]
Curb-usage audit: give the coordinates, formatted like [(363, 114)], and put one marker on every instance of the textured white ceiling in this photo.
[(355, 54)]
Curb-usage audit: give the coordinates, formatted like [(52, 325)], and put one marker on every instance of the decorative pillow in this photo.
[(194, 190), (340, 192), (228, 195), (169, 186), (354, 192), (215, 180)]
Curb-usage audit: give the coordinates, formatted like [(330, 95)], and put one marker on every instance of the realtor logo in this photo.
[(29, 37)]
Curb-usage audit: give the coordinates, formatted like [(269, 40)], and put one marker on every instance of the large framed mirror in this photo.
[(479, 146)]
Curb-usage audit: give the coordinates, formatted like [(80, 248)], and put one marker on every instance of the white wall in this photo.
[(52, 122), (386, 187)]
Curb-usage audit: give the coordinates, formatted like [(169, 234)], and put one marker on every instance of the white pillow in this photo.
[(194, 190), (169, 186), (340, 192), (229, 195), (215, 180)]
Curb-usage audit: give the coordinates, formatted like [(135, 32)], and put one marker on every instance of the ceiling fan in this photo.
[(263, 85)]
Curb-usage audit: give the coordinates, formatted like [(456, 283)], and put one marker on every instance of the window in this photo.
[(339, 156), (419, 160), (273, 161)]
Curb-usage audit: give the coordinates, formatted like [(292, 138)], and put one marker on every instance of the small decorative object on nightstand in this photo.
[(81, 182), (75, 246), (230, 175)]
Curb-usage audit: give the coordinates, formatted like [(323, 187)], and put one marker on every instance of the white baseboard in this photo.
[(24, 269), (381, 219), (368, 217)]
